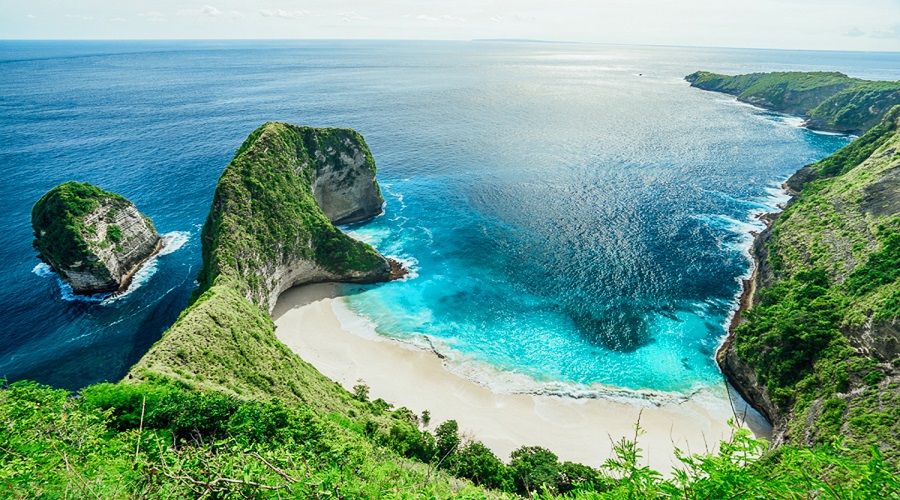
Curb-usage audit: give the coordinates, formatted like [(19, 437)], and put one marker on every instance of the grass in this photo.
[(820, 336)]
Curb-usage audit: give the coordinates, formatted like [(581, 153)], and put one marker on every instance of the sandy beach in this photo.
[(581, 430)]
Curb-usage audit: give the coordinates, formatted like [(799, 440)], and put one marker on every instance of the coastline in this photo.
[(738, 378), (129, 276), (577, 429)]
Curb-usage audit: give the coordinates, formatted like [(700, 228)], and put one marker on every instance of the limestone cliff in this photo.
[(816, 347), (827, 100), (94, 239), (270, 225), (270, 228)]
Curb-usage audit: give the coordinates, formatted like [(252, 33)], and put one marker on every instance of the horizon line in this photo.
[(471, 40)]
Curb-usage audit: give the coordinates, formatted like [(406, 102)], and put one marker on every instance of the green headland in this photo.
[(828, 101)]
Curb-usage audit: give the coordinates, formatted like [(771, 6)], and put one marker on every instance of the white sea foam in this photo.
[(171, 242), (773, 202), (409, 263), (42, 270)]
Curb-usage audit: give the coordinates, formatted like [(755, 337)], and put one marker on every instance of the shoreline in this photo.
[(128, 277), (577, 429), (745, 303)]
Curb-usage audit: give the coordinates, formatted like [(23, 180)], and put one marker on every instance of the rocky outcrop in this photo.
[(270, 227), (271, 224), (95, 240), (344, 185)]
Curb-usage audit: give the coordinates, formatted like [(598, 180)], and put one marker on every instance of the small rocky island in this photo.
[(94, 239)]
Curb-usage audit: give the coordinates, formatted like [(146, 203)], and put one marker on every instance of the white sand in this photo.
[(581, 430)]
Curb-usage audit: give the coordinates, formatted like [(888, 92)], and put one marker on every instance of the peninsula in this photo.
[(829, 101)]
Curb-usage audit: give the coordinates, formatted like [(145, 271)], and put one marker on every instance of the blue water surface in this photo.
[(573, 214)]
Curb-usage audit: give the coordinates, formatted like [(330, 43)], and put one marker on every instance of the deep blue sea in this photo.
[(575, 215)]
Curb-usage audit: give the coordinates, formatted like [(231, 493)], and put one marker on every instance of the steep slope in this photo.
[(829, 101), (818, 351), (266, 230), (93, 239), (265, 233)]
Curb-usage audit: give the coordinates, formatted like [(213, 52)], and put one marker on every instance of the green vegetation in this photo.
[(264, 214), (164, 441), (822, 338), (58, 223), (114, 233), (829, 101)]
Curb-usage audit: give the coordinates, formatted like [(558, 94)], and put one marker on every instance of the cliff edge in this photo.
[(271, 224), (816, 347), (271, 227), (829, 101), (94, 239)]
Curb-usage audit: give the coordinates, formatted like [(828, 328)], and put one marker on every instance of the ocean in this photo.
[(576, 217)]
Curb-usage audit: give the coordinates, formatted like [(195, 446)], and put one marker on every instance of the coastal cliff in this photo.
[(271, 224), (816, 346), (828, 101), (94, 239), (270, 227)]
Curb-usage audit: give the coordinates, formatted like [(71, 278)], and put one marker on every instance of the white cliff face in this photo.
[(300, 271), (119, 240), (345, 186)]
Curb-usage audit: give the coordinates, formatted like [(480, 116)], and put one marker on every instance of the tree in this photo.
[(534, 468)]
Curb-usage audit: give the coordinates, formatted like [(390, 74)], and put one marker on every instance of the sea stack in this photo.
[(94, 239)]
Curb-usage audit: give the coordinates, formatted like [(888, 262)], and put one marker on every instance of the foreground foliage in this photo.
[(161, 441)]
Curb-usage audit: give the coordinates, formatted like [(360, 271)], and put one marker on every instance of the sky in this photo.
[(868, 25)]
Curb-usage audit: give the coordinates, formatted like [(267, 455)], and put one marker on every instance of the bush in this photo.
[(535, 469)]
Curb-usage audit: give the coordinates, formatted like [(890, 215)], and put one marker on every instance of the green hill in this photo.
[(829, 101), (819, 351)]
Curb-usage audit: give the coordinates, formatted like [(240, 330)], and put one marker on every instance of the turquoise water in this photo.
[(574, 215)]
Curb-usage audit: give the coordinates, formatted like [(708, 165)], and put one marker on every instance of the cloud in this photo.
[(351, 16), (855, 32), (514, 17), (205, 11), (30, 16), (284, 14), (435, 19), (153, 15), (893, 32), (80, 17)]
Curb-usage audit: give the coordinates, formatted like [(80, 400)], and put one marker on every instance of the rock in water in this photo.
[(94, 239)]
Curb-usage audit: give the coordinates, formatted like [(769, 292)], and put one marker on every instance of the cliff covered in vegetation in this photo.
[(271, 224), (828, 101), (819, 350), (94, 239), (265, 233)]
